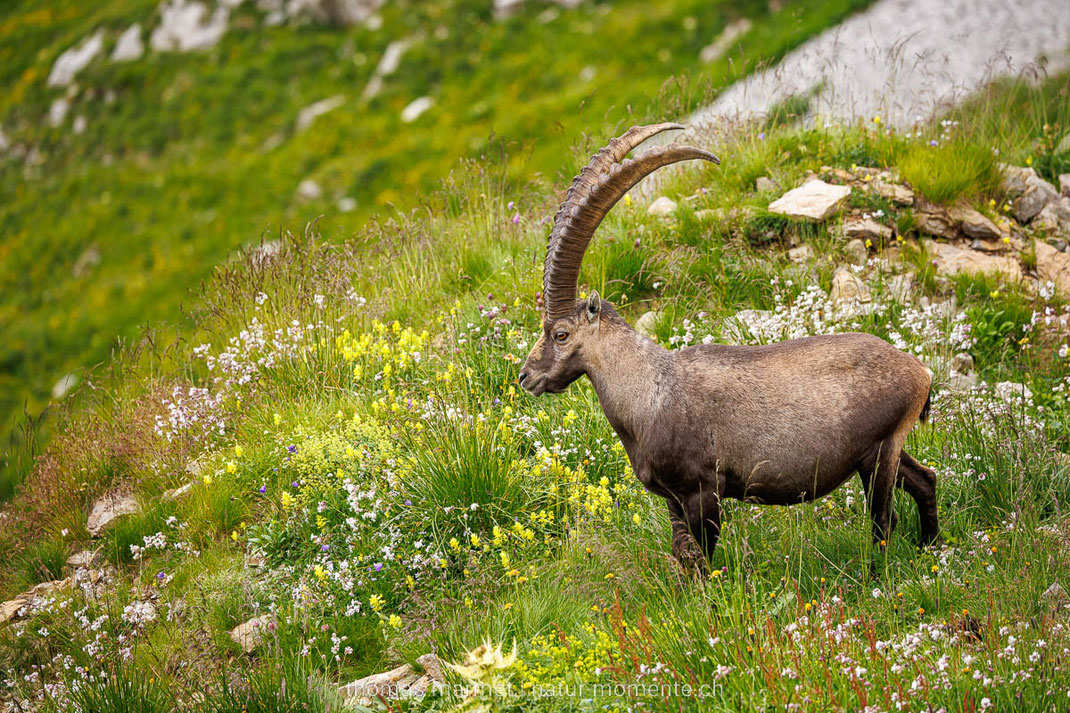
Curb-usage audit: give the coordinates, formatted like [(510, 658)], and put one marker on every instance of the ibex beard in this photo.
[(778, 424)]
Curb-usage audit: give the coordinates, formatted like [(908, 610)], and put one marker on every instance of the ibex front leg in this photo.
[(702, 511), (684, 547)]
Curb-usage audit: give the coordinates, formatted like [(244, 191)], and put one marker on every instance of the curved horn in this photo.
[(596, 189)]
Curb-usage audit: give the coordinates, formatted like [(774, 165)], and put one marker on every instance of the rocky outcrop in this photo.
[(74, 60), (129, 46), (662, 206), (951, 259), (402, 682), (251, 634), (813, 201), (1054, 266), (109, 508), (187, 25), (848, 287), (866, 229)]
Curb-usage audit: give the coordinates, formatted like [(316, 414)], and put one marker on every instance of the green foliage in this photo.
[(952, 171)]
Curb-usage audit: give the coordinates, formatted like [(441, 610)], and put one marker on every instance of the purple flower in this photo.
[(293, 484), (324, 548), (292, 449), (932, 142), (496, 401), (761, 136), (409, 503), (511, 204), (161, 575), (378, 566), (263, 489), (516, 219)]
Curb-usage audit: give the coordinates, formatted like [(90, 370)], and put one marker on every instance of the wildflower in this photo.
[(1006, 240), (1028, 160), (475, 540), (935, 569), (482, 664), (716, 574), (321, 574), (287, 501), (263, 489), (994, 294), (455, 545), (238, 451), (375, 602), (207, 480), (394, 621), (277, 419), (761, 136), (234, 535), (627, 199), (877, 120), (505, 560), (231, 467), (610, 576), (516, 219)]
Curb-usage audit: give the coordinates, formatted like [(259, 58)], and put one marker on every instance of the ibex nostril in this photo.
[(520, 379)]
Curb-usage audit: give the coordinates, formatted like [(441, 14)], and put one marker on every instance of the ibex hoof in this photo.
[(690, 558)]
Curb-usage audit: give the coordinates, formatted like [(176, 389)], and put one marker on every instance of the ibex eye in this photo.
[(561, 337)]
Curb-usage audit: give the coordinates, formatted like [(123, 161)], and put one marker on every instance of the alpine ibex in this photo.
[(776, 424)]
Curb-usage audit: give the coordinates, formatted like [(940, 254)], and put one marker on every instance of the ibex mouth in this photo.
[(535, 387)]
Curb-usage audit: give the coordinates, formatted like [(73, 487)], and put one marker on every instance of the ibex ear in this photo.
[(594, 306)]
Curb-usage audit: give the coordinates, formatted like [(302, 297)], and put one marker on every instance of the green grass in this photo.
[(390, 485), (197, 156)]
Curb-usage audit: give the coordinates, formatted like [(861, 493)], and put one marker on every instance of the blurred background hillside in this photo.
[(143, 143)]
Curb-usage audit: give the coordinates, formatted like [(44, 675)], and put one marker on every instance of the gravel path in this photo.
[(904, 59)]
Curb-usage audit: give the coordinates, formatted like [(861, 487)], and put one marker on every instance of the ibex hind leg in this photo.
[(920, 483), (877, 471), (685, 548)]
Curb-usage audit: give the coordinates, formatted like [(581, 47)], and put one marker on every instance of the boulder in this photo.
[(83, 559), (645, 324), (974, 224), (12, 609), (1064, 185), (855, 252), (866, 229), (900, 195), (813, 201), (176, 493), (662, 206), (109, 508), (57, 111), (1054, 218), (1015, 180), (250, 634), (901, 287), (185, 25), (313, 111), (936, 221), (764, 184), (847, 287), (401, 682), (950, 260), (414, 109), (74, 60), (962, 363), (801, 254), (1053, 265), (129, 47), (962, 382), (309, 190), (1038, 193), (335, 12)]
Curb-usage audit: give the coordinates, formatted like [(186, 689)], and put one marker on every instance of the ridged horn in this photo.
[(596, 189)]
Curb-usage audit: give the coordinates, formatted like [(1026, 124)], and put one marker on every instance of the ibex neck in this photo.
[(630, 374)]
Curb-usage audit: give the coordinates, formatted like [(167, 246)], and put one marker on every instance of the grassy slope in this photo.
[(564, 553), (174, 175)]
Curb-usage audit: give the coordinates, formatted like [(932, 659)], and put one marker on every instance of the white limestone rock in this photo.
[(813, 201), (415, 109), (129, 47), (74, 60), (310, 113), (186, 25), (662, 206)]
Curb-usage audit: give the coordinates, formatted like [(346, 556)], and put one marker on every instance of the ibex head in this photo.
[(568, 326)]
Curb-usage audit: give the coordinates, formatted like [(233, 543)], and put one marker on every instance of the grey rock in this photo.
[(974, 224), (801, 254), (1064, 145), (962, 363), (109, 508), (176, 493), (1015, 179), (250, 634), (867, 229), (763, 184), (401, 682), (1057, 243), (1038, 193), (898, 194), (901, 287), (57, 111), (414, 109), (1055, 218), (646, 324), (83, 559), (74, 60), (847, 287), (662, 206), (310, 113), (334, 12), (855, 252), (1053, 266), (950, 260), (936, 221), (1055, 595), (1064, 185), (186, 25), (309, 190), (63, 387), (129, 47), (813, 201)]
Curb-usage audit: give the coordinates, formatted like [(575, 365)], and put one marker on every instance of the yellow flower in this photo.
[(207, 480), (394, 621), (627, 199), (636, 519), (505, 560), (231, 467), (376, 602), (1007, 239), (278, 419), (716, 574), (475, 540), (603, 481), (877, 120), (935, 569), (234, 535), (455, 545), (238, 451), (994, 294), (287, 501), (321, 574), (1029, 161), (610, 576)]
